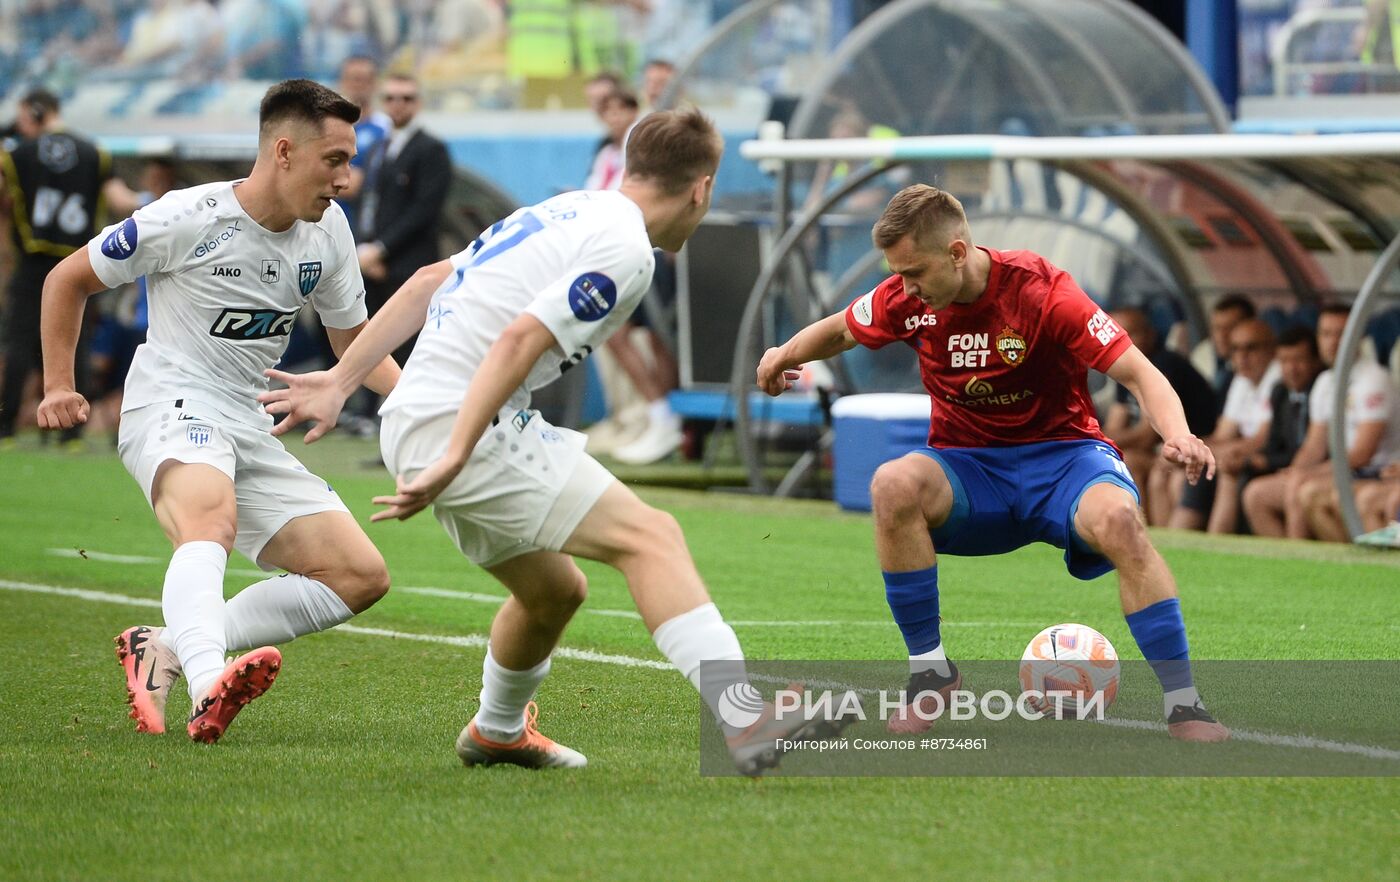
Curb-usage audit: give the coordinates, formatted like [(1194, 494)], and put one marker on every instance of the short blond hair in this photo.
[(923, 212)]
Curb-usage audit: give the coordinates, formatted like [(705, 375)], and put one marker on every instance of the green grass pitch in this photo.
[(345, 770)]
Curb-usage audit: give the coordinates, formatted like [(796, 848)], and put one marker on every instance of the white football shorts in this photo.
[(525, 488), (270, 485)]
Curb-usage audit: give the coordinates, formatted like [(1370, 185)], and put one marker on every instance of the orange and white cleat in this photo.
[(1193, 723), (151, 670), (245, 678), (532, 749), (915, 719)]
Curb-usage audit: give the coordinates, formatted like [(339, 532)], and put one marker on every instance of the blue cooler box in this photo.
[(872, 430)]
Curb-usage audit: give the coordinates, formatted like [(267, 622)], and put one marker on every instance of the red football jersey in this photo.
[(1010, 368)]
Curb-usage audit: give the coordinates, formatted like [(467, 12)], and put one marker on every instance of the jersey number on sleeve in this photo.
[(504, 236)]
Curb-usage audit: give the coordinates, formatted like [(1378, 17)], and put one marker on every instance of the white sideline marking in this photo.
[(107, 557), (430, 591), (475, 641), (80, 593), (469, 640), (1301, 741)]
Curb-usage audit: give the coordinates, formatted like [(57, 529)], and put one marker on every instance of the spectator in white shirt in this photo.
[(1275, 504), (1241, 431)]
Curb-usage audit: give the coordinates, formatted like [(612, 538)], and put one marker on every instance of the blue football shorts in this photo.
[(1007, 497)]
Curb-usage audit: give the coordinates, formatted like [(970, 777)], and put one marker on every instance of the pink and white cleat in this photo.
[(151, 670), (245, 678), (1194, 723), (917, 716)]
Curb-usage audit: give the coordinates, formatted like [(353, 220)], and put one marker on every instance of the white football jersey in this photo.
[(579, 262), (224, 293), (1371, 397)]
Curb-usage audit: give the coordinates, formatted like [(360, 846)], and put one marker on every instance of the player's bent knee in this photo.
[(361, 582), (896, 491), (1116, 528), (206, 529)]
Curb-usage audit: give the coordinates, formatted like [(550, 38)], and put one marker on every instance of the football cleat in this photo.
[(151, 669), (1193, 723), (532, 749), (762, 745), (906, 721), (245, 678)]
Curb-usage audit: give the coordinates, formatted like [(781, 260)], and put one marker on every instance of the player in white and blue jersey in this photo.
[(527, 301), (228, 268)]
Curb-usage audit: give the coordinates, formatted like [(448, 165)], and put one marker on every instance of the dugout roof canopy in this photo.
[(924, 67)]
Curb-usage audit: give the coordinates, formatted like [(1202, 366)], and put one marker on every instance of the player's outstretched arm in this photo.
[(502, 371), (778, 368), (66, 290), (1162, 408), (383, 377), (317, 397)]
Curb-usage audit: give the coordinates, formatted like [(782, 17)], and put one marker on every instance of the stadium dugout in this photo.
[(1292, 220)]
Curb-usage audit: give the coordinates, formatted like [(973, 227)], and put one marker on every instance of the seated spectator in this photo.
[(1378, 503), (618, 111), (1134, 436), (1275, 505), (1212, 357), (1239, 434), (656, 76), (1299, 365), (261, 38)]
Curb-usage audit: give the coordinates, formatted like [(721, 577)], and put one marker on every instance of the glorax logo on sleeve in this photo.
[(253, 324)]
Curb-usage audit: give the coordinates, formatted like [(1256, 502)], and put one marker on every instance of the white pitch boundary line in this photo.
[(108, 557), (476, 641), (430, 591), (452, 594)]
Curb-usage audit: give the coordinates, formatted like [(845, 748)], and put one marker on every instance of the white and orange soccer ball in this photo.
[(1073, 659)]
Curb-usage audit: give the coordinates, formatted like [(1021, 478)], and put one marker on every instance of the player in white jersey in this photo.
[(528, 300), (228, 267)]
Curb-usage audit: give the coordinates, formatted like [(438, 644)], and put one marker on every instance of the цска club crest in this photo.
[(1011, 346)]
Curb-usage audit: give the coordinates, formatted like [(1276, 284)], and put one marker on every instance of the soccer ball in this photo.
[(1070, 658)]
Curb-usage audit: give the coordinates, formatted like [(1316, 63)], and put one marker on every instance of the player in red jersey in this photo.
[(1015, 454)]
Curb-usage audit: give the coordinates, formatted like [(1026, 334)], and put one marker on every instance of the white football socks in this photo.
[(933, 660), (504, 695), (1186, 697), (280, 609), (192, 602), (702, 635)]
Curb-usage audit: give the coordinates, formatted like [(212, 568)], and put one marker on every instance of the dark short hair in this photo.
[(659, 62), (304, 101), (1237, 302), (673, 149), (39, 103), (1334, 307), (1299, 335), (622, 96)]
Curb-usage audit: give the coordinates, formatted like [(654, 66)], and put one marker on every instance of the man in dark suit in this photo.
[(407, 177)]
